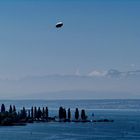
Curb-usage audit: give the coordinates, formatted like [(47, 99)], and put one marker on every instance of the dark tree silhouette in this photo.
[(14, 108), (10, 109), (32, 112), (61, 113), (23, 113), (43, 113), (39, 113), (35, 112), (64, 114), (2, 108), (46, 113), (69, 114), (76, 114), (14, 112), (83, 115)]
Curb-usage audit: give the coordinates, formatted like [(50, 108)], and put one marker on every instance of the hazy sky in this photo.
[(97, 35)]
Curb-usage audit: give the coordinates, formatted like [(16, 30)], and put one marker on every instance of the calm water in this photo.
[(125, 113)]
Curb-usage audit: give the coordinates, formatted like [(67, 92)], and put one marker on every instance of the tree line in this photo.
[(66, 115), (11, 115)]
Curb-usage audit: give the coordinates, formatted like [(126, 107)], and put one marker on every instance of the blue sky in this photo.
[(97, 35)]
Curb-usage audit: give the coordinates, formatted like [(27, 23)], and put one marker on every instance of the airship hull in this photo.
[(59, 25)]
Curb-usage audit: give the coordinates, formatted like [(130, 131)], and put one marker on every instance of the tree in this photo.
[(35, 112), (64, 114), (14, 108), (61, 113), (76, 114), (10, 109), (69, 114), (23, 113), (39, 113), (32, 112), (2, 108), (46, 113), (83, 115), (43, 113)]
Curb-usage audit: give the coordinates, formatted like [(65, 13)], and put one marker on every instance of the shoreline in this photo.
[(37, 114)]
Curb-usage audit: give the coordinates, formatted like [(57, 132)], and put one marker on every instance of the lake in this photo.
[(125, 113)]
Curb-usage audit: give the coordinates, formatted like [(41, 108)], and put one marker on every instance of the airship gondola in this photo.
[(59, 25)]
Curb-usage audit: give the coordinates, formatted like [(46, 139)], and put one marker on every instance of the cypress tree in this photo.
[(14, 108), (83, 114), (23, 113), (10, 109), (39, 113), (2, 108), (64, 114), (35, 112), (61, 113), (43, 113), (76, 114), (32, 112), (69, 114), (46, 113)]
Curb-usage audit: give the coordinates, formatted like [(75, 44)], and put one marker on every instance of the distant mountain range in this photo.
[(97, 84), (115, 73)]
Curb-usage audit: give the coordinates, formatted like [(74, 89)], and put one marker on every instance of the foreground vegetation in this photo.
[(22, 117)]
